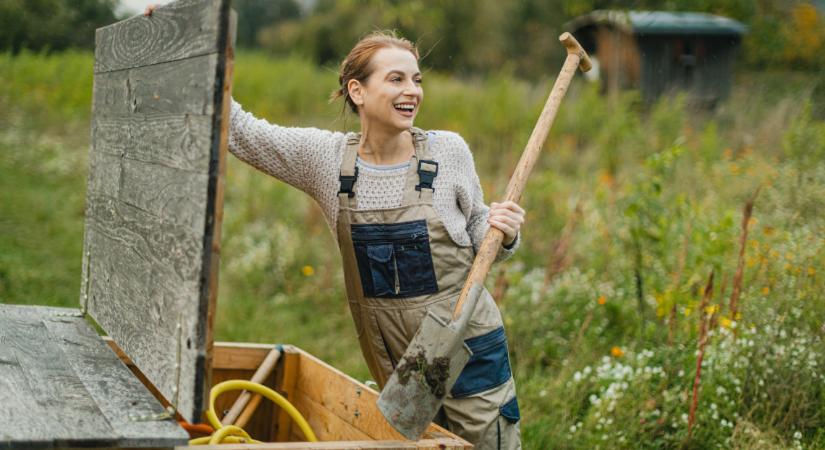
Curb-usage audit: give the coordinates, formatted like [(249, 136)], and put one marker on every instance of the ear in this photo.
[(356, 92)]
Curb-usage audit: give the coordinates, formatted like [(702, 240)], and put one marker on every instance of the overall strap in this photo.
[(348, 174), (425, 170)]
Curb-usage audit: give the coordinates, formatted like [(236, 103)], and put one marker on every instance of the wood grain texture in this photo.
[(63, 387), (176, 31), (154, 197), (177, 87), (343, 397), (246, 356), (289, 376)]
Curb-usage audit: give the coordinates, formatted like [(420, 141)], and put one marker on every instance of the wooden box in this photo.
[(154, 205)]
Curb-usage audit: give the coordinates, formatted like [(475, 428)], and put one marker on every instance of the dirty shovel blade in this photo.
[(429, 368), (427, 371)]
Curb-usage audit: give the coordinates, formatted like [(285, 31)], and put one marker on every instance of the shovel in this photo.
[(437, 353)]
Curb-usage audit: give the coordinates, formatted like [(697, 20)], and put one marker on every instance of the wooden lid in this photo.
[(154, 198)]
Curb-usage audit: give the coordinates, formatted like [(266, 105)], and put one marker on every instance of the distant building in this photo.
[(659, 52)]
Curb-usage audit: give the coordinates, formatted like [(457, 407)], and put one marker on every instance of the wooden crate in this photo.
[(341, 411)]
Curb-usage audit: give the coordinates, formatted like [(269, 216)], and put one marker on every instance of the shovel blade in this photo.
[(426, 373)]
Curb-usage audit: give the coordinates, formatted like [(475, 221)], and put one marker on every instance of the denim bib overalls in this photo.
[(399, 263)]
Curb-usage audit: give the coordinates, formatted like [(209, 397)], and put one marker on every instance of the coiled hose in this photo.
[(231, 434)]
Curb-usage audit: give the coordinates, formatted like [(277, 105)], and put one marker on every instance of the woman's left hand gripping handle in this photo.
[(150, 9), (507, 217)]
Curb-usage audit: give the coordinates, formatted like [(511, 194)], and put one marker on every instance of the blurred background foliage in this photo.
[(458, 37), (630, 209)]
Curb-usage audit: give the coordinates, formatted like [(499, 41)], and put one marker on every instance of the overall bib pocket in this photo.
[(394, 260)]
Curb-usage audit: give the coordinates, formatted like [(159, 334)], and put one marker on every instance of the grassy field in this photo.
[(632, 210)]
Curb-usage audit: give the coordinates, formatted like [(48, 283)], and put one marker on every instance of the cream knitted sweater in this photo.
[(310, 159)]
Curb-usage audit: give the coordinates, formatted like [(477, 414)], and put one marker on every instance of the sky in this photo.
[(132, 7)]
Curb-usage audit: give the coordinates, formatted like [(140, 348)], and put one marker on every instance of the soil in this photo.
[(433, 375)]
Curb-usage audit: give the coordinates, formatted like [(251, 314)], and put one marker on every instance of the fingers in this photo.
[(507, 217), (149, 9)]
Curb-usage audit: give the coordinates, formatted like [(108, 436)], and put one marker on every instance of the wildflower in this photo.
[(725, 322), (766, 290), (308, 271), (617, 352), (602, 300), (711, 309), (811, 271)]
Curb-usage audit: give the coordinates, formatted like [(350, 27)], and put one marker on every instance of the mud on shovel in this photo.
[(437, 353)]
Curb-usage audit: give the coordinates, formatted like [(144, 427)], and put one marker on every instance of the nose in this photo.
[(412, 89)]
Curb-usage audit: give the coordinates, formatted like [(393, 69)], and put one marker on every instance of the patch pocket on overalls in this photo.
[(510, 411), (488, 367), (394, 260)]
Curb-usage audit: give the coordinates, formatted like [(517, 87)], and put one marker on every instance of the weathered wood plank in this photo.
[(171, 140), (177, 87), (290, 362), (326, 425), (344, 396), (50, 382), (152, 238), (23, 420), (246, 356), (176, 31), (169, 194), (126, 404), (214, 214), (143, 289)]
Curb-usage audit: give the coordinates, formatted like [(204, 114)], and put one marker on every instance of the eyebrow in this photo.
[(400, 72)]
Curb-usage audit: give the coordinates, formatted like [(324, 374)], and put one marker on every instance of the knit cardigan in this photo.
[(310, 159)]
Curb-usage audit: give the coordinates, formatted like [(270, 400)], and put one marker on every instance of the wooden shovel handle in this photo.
[(576, 57)]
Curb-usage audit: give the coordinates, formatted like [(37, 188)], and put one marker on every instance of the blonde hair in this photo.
[(356, 66)]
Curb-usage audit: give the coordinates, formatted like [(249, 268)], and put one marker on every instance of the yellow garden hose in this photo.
[(233, 434)]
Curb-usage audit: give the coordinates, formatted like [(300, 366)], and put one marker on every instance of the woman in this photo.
[(407, 209)]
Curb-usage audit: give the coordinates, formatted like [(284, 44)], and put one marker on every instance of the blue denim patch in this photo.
[(487, 368), (394, 260), (510, 411)]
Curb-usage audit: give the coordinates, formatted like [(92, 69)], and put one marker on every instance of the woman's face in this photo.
[(392, 94)]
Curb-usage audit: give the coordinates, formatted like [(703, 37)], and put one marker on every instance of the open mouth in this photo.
[(405, 109)]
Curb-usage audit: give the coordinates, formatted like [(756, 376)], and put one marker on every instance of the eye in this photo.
[(395, 79), (419, 80)]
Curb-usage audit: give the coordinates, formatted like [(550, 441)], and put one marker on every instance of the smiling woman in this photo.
[(408, 214)]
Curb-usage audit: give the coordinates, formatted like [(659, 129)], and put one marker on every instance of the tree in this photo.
[(52, 24)]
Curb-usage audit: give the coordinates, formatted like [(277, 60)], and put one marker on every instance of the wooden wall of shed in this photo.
[(619, 59), (699, 65)]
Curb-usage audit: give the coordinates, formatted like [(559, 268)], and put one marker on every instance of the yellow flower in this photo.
[(753, 221), (602, 300), (616, 352), (308, 271), (711, 309), (811, 271), (766, 290), (727, 153), (734, 169), (725, 322)]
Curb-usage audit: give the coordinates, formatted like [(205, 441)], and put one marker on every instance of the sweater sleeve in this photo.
[(286, 153), (478, 212)]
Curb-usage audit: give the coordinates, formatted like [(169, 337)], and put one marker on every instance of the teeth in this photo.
[(405, 106)]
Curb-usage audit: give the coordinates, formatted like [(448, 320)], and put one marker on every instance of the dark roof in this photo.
[(661, 22)]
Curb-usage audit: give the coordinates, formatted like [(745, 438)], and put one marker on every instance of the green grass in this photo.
[(649, 194)]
